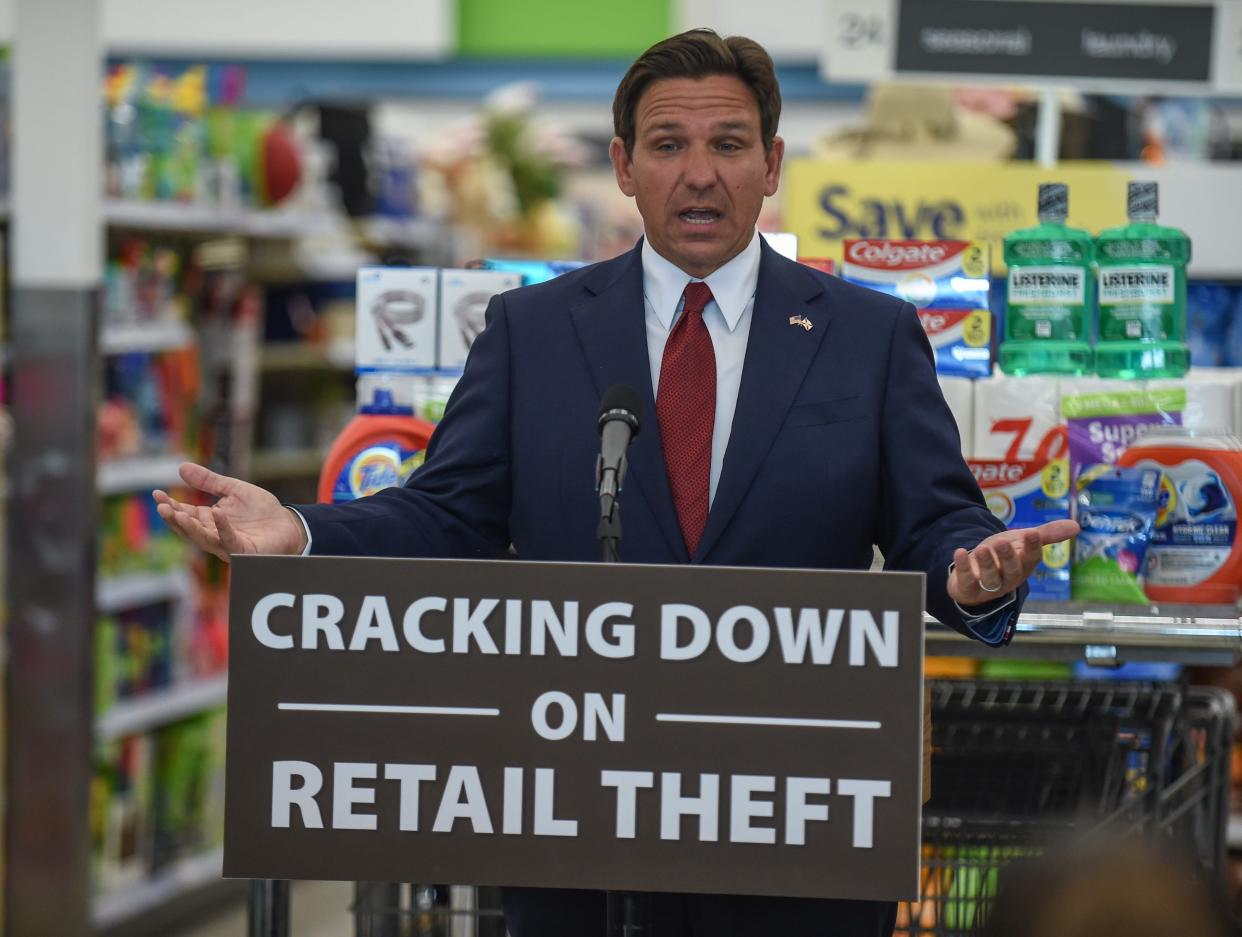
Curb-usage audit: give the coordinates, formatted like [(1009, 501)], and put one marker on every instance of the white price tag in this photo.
[(860, 40)]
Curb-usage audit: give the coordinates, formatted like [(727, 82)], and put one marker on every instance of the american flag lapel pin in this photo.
[(802, 321)]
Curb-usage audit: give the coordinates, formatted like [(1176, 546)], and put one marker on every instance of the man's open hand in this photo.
[(1004, 561), (245, 519)]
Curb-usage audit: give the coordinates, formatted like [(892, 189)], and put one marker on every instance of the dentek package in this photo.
[(464, 295), (396, 328), (1027, 494), (1117, 509), (947, 281)]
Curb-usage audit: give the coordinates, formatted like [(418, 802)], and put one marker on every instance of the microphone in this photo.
[(620, 412)]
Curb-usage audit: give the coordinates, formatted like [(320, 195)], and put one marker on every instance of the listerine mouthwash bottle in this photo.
[(1048, 304), (1142, 293)]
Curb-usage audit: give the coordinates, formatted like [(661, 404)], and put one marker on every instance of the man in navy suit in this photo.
[(793, 420)]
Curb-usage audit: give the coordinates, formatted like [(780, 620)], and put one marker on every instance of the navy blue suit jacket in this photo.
[(841, 439)]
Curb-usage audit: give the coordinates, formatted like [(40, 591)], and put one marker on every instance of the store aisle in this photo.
[(319, 909)]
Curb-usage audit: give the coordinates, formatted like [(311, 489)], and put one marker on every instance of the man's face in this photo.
[(699, 172)]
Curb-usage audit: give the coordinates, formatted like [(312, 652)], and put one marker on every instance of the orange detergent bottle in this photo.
[(379, 448), (1195, 555)]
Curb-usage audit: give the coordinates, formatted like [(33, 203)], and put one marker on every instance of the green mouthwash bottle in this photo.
[(1142, 293), (1048, 304)]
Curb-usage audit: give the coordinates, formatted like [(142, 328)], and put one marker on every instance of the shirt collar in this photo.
[(732, 285)]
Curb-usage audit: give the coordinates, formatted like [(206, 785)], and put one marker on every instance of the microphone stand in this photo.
[(628, 912)]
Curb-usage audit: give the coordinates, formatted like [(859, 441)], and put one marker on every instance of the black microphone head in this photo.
[(621, 402)]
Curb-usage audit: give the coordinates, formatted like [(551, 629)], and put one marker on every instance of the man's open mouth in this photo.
[(699, 215)]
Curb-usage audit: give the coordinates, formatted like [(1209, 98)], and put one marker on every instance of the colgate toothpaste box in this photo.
[(1027, 494), (947, 281)]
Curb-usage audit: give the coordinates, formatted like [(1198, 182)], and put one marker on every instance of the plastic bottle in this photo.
[(1195, 555), (379, 448), (1049, 298), (1142, 293)]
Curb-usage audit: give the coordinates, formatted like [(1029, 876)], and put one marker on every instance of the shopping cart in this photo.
[(1016, 767)]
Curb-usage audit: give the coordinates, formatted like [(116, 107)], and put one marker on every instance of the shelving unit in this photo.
[(111, 909), (1191, 634), (160, 707), (300, 356), (157, 335), (268, 465), (118, 476), (189, 218), (113, 593)]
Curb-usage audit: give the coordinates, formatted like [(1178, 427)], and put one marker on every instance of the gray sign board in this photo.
[(629, 727)]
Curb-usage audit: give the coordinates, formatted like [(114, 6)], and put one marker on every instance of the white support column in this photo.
[(56, 240)]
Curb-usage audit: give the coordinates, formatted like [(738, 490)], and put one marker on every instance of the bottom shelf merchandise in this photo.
[(157, 798)]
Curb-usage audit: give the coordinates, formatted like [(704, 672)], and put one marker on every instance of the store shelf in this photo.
[(190, 218), (292, 463), (196, 872), (303, 356), (161, 707), (115, 593), (158, 335), (117, 476), (1192, 634)]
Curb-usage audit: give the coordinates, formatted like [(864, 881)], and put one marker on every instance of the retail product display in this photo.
[(1194, 554), (947, 281), (133, 538), (1102, 425), (183, 136), (464, 295), (380, 448), (532, 271), (1027, 494), (150, 400), (157, 798), (133, 653), (1017, 419), (1142, 290), (1049, 293), (396, 326), (1117, 509)]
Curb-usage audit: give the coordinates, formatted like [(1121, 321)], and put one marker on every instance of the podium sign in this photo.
[(650, 728)]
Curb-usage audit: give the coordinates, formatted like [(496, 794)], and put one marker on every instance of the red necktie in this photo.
[(686, 408)]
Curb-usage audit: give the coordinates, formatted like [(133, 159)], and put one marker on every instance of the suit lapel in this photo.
[(778, 354), (611, 328)]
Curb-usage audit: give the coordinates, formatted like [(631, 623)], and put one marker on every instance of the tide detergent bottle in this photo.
[(379, 448)]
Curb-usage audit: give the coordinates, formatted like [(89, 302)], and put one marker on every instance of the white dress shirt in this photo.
[(727, 318)]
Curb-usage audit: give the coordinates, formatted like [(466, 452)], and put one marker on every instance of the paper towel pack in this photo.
[(1209, 400), (1013, 415), (959, 394)]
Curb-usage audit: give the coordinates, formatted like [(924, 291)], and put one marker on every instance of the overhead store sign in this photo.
[(1114, 46), (664, 728)]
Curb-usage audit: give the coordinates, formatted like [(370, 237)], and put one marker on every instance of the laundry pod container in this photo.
[(1195, 555)]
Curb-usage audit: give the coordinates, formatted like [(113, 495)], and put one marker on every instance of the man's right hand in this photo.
[(245, 519)]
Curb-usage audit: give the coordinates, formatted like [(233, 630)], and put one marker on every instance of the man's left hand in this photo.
[(1000, 564)]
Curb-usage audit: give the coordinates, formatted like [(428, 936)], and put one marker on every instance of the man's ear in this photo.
[(772, 172), (622, 165)]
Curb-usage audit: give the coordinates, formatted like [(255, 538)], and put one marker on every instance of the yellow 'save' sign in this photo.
[(828, 201)]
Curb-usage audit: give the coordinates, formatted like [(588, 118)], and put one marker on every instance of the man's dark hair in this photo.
[(698, 53)]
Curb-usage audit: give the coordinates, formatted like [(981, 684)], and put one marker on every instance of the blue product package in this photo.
[(533, 271), (1117, 510), (1027, 494), (1209, 310)]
